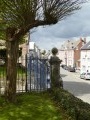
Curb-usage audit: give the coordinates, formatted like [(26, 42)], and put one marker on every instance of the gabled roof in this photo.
[(70, 44), (86, 46)]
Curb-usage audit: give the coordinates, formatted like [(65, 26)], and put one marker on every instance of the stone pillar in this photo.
[(56, 80)]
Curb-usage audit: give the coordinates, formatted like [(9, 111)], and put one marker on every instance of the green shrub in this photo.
[(75, 107), (2, 101)]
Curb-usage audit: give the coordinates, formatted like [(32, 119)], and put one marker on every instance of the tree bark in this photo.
[(11, 68)]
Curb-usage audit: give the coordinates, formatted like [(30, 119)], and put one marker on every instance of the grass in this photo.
[(20, 71), (31, 106), (2, 71)]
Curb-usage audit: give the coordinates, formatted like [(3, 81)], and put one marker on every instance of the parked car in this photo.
[(82, 75), (87, 76), (63, 66), (71, 69), (66, 67)]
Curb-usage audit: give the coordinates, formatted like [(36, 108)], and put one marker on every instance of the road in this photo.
[(78, 87)]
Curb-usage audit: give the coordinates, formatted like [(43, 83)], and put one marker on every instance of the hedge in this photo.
[(75, 107)]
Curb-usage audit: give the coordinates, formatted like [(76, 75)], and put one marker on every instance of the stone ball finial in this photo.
[(54, 51)]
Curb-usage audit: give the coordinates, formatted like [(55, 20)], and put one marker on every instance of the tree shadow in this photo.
[(30, 107)]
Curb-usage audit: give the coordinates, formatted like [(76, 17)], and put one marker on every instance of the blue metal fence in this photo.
[(38, 73), (33, 76)]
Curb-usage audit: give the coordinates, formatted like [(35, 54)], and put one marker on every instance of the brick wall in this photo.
[(77, 52)]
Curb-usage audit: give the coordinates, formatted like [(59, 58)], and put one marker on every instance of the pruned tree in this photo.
[(18, 17)]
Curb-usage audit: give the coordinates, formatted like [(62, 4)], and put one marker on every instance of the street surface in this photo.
[(78, 87)]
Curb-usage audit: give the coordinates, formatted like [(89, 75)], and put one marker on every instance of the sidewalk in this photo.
[(78, 71)]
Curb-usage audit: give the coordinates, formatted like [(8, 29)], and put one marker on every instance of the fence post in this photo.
[(56, 80), (26, 71)]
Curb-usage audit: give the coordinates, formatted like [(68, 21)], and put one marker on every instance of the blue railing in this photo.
[(38, 73)]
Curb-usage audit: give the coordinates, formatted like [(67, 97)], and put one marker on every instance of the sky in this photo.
[(72, 28)]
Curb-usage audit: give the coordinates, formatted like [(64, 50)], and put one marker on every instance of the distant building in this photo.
[(24, 48), (34, 50), (69, 52), (85, 58), (62, 53), (22, 58)]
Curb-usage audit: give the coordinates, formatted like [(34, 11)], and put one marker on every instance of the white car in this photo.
[(87, 76), (82, 75)]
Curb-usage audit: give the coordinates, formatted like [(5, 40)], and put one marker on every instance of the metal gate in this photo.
[(38, 73), (34, 75)]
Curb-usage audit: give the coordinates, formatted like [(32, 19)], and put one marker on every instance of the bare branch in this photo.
[(26, 14)]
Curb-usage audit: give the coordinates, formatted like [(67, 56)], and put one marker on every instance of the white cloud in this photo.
[(75, 26)]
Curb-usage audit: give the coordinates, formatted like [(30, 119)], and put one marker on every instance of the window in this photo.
[(72, 47), (88, 67), (88, 59), (83, 59), (83, 68)]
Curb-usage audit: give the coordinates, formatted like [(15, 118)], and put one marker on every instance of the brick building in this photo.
[(70, 52)]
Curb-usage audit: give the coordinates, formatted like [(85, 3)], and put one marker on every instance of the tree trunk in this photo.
[(11, 69)]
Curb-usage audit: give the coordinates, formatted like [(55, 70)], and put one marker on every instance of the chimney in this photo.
[(84, 40)]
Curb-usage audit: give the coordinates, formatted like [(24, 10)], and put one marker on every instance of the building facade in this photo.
[(69, 52), (85, 58)]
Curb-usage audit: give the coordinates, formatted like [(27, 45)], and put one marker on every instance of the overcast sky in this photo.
[(73, 27)]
